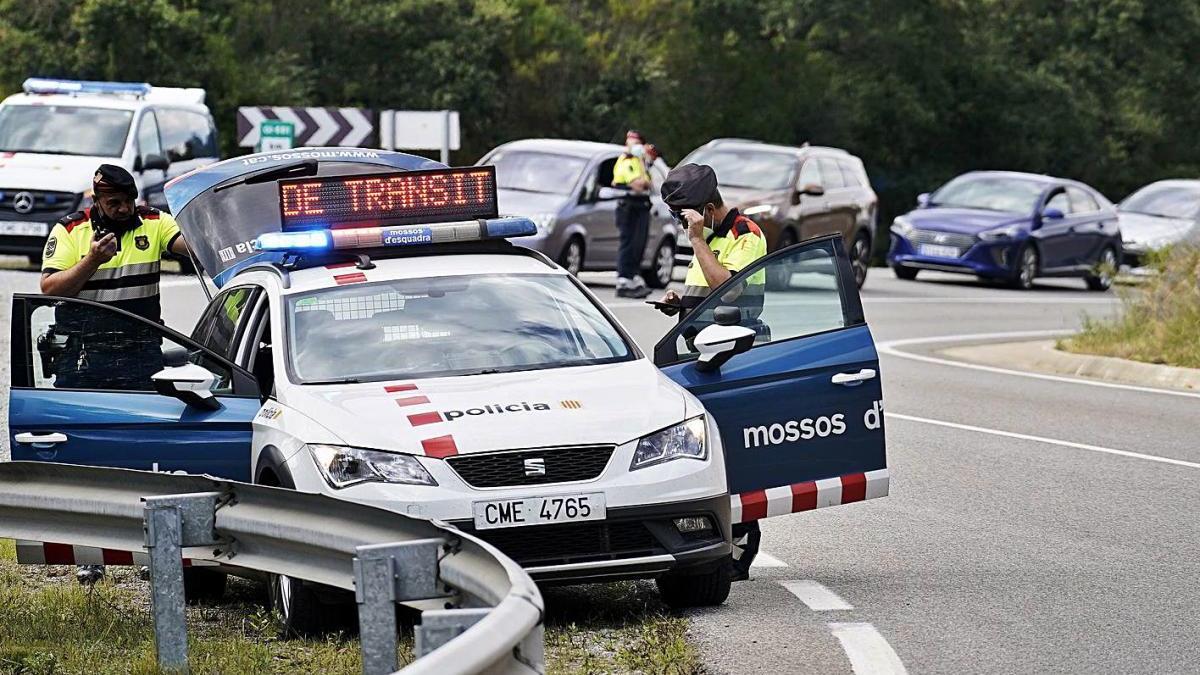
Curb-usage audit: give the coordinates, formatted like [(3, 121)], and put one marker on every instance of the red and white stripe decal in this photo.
[(46, 553), (412, 400), (785, 499), (351, 278), (421, 419), (393, 388), (438, 446), (442, 446)]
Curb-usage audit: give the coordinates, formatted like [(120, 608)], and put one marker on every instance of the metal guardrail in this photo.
[(494, 624)]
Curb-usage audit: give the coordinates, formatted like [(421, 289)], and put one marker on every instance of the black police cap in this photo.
[(690, 186), (112, 178)]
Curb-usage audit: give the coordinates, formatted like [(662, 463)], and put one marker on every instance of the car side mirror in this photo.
[(608, 194), (154, 162), (923, 200), (718, 343), (812, 190), (190, 383), (1052, 214)]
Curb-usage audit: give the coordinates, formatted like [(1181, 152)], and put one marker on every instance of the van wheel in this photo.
[(201, 586), (659, 276), (1101, 278), (905, 273), (679, 590), (571, 257), (860, 258)]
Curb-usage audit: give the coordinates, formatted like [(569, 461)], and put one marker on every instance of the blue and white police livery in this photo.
[(376, 338)]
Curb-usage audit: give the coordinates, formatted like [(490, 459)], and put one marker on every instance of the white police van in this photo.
[(376, 338), (55, 133)]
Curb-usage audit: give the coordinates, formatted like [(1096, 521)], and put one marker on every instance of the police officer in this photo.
[(633, 216), (723, 243)]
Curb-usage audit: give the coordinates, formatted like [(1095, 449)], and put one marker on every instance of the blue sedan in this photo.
[(1010, 227)]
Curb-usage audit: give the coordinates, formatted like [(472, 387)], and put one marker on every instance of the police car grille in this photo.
[(47, 206), (504, 469), (573, 542), (963, 241)]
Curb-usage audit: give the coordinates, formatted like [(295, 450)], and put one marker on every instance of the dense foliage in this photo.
[(1100, 90)]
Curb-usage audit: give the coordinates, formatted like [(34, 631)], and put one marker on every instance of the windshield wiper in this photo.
[(298, 170), (345, 380)]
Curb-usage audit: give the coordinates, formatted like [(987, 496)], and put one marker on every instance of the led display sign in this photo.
[(406, 197)]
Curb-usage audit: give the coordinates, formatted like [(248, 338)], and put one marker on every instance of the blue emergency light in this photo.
[(395, 235), (40, 85)]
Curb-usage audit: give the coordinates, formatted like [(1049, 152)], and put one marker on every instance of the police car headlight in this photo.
[(682, 441), (345, 466)]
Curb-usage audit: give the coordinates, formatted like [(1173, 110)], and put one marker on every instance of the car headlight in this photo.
[(902, 227), (1001, 233), (764, 210), (344, 466), (682, 441), (544, 222)]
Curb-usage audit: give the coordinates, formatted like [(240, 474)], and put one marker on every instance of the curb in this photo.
[(1042, 356)]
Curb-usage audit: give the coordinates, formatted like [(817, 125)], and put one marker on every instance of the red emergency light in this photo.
[(399, 198)]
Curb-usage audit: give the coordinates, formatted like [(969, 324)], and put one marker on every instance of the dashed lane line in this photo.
[(816, 595), (891, 349), (868, 650), (1043, 439)]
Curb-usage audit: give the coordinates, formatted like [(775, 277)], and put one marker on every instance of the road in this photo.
[(1014, 539)]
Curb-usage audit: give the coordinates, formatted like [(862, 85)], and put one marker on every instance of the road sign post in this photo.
[(276, 135)]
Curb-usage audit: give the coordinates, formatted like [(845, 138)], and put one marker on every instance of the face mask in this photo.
[(637, 150)]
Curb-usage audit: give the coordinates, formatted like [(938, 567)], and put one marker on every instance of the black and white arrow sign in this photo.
[(315, 127)]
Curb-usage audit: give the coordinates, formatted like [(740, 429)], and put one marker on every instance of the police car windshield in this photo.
[(747, 168), (537, 171), (445, 326), (64, 130)]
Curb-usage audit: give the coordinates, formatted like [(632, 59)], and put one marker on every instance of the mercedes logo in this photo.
[(23, 202)]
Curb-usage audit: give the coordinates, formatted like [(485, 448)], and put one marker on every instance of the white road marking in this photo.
[(972, 300), (890, 348), (869, 652), (1043, 439), (767, 560), (815, 595)]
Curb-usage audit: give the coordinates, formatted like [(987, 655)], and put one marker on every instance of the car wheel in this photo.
[(571, 258), (659, 276), (779, 276), (34, 258), (1101, 278), (860, 258), (679, 590), (300, 606), (201, 586), (906, 273), (1027, 269)]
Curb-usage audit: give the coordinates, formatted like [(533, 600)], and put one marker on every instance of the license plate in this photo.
[(19, 228), (935, 251), (538, 510)]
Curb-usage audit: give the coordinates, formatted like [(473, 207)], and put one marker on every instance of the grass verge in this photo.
[(1160, 320), (49, 625)]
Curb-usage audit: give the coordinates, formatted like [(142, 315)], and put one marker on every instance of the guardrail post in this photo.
[(385, 574), (172, 522), (439, 626)]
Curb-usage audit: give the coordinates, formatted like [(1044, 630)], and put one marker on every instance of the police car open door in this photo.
[(782, 357), (84, 392)]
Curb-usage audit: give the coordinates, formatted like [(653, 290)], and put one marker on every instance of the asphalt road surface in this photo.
[(1034, 525)]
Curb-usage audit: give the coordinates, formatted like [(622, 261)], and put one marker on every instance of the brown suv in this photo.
[(795, 193)]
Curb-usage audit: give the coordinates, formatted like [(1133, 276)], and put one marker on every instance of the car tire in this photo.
[(779, 276), (300, 607), (680, 591), (203, 587), (571, 257), (659, 276), (1028, 263), (1106, 267), (905, 273), (860, 258)]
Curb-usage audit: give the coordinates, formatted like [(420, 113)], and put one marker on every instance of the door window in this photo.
[(806, 297), (1060, 201), (216, 329), (147, 136), (1081, 201), (186, 135), (810, 173), (849, 174), (77, 345), (831, 175)]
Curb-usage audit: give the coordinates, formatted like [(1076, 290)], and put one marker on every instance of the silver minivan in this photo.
[(563, 186)]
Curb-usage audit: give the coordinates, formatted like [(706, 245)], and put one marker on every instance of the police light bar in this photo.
[(395, 235), (382, 199), (39, 85)]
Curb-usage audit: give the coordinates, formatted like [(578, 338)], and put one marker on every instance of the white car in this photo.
[(433, 369), (55, 133)]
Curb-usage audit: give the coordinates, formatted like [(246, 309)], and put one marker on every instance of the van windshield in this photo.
[(64, 130)]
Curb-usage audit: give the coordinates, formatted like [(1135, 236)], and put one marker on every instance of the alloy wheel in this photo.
[(664, 263), (573, 257), (860, 256)]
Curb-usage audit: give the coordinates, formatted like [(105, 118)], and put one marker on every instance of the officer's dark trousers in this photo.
[(633, 224)]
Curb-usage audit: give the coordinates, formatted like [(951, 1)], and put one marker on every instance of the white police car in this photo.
[(377, 339)]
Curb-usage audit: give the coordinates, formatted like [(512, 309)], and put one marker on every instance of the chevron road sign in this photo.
[(314, 127)]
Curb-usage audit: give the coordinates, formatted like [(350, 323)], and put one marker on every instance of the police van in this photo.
[(55, 133), (375, 337)]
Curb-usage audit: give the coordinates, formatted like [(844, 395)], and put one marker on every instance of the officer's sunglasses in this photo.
[(678, 215)]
